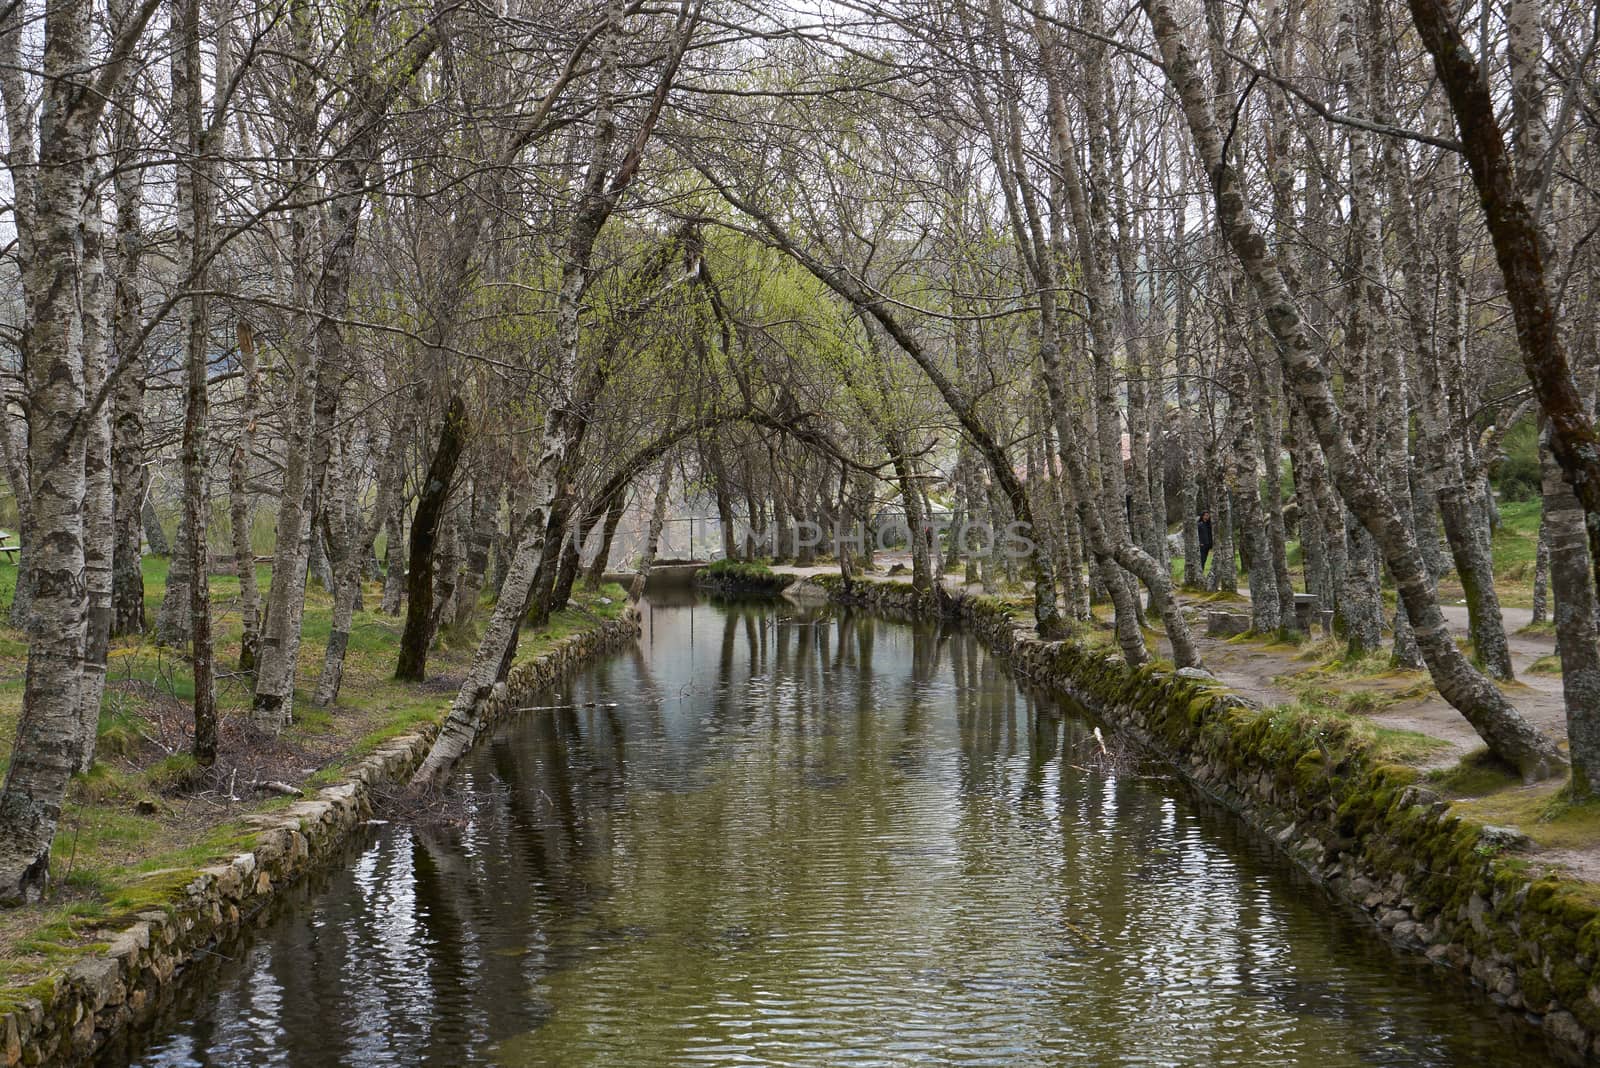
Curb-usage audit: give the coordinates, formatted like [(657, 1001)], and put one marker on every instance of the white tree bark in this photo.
[(50, 197)]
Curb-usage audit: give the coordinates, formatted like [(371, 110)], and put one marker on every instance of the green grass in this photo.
[(1516, 541), (1325, 712)]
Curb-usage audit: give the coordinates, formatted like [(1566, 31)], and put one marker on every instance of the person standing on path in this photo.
[(1203, 529)]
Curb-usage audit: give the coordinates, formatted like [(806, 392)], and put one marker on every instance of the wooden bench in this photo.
[(11, 551)]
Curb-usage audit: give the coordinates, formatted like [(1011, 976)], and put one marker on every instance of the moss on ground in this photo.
[(1542, 811)]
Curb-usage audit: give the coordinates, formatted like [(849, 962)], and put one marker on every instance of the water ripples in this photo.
[(849, 843)]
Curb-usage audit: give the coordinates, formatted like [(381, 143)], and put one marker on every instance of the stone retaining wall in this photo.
[(1372, 834), (65, 1018)]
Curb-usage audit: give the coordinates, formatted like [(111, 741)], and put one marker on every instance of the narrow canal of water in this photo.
[(812, 838)]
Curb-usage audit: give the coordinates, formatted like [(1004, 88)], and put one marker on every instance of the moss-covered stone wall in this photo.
[(1371, 833), (66, 1017)]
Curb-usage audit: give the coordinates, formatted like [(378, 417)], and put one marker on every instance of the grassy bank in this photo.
[(746, 576), (146, 815)]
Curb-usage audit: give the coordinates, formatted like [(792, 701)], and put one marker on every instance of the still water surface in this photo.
[(808, 838)]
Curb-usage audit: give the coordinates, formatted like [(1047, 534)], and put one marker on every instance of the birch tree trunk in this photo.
[(1309, 491), (922, 577), (353, 545), (98, 506), (172, 622), (447, 567), (21, 160), (1269, 436), (1074, 587), (1188, 439), (602, 556), (49, 739), (725, 518), (244, 554), (394, 568), (345, 583), (49, 203), (1243, 480), (155, 537), (572, 554), (1541, 573), (193, 234)]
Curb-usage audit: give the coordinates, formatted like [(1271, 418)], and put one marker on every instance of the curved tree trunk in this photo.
[(1515, 233)]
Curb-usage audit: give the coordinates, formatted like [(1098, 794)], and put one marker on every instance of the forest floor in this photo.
[(145, 810), (1404, 709)]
